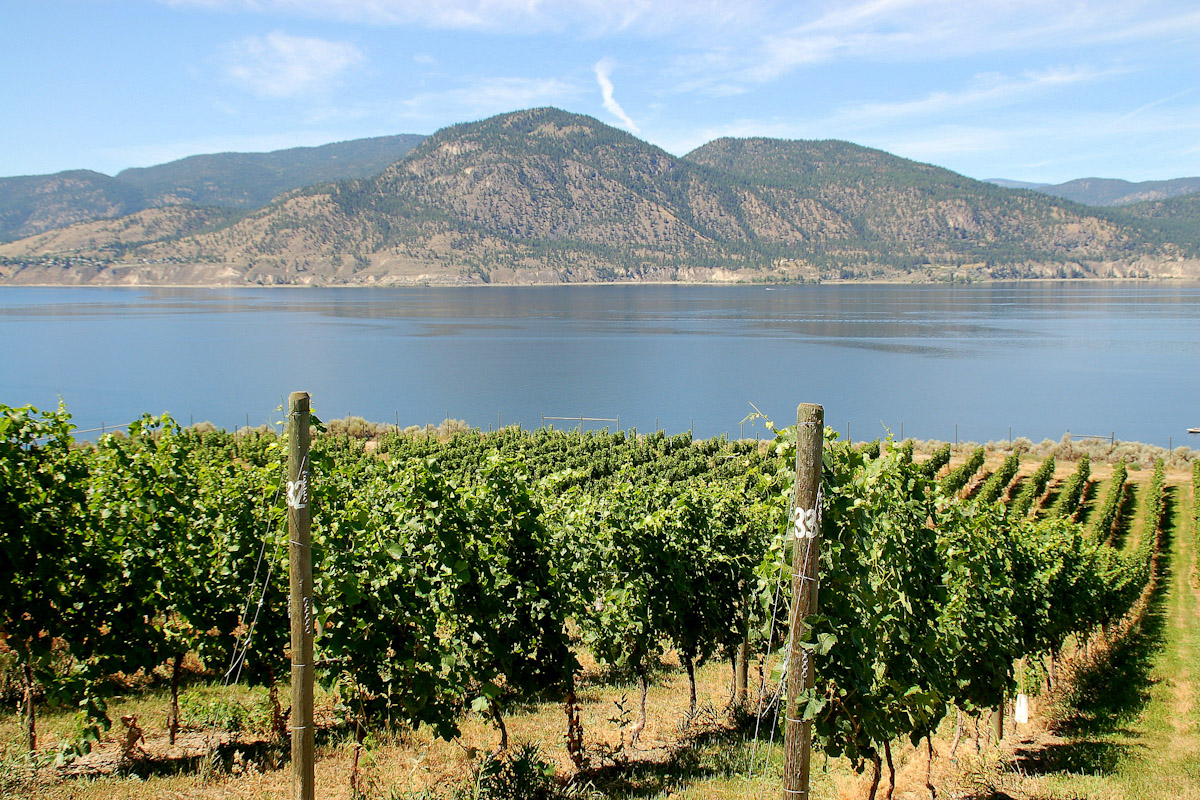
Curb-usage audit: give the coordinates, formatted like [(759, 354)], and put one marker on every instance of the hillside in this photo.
[(1176, 219), (547, 196), (33, 204)]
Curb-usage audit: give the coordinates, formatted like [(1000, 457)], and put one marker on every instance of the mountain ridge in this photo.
[(543, 195)]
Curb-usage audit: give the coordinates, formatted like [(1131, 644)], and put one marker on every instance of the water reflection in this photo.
[(1042, 357)]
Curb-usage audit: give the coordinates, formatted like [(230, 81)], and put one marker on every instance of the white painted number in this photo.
[(297, 492), (806, 523)]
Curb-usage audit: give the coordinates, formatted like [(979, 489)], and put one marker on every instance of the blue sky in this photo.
[(1044, 90)]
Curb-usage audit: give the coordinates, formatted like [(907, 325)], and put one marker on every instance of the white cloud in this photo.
[(603, 69), (281, 65)]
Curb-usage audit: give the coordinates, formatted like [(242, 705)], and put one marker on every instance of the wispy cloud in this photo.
[(592, 16), (988, 90), (1153, 104), (936, 30), (281, 65), (603, 70)]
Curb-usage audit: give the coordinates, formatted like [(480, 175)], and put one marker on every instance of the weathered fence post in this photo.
[(805, 533), (300, 597)]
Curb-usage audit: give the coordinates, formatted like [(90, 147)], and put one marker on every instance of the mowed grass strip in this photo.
[(1134, 732)]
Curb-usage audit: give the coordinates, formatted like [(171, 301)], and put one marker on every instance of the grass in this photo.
[(1132, 728)]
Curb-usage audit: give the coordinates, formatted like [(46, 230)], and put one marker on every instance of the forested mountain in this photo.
[(35, 203), (543, 195)]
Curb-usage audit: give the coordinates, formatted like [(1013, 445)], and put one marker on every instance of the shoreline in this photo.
[(1162, 279)]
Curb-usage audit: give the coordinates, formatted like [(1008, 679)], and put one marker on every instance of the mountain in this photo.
[(905, 214), (543, 195), (32, 204), (1108, 191), (251, 180)]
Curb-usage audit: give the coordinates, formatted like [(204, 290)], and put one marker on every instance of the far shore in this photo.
[(478, 285)]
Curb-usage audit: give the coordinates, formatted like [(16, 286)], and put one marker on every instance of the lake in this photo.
[(1041, 358)]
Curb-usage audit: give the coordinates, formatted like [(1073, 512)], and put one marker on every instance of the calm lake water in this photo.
[(1043, 358)]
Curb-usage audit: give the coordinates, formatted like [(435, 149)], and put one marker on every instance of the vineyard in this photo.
[(478, 575)]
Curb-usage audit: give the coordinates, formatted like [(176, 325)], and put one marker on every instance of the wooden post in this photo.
[(741, 672), (810, 434), (300, 598)]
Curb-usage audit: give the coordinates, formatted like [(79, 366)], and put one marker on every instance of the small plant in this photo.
[(520, 773), (621, 716)]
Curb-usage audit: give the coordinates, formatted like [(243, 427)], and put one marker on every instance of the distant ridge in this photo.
[(36, 203), (1109, 191), (251, 180), (31, 204), (1007, 184)]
